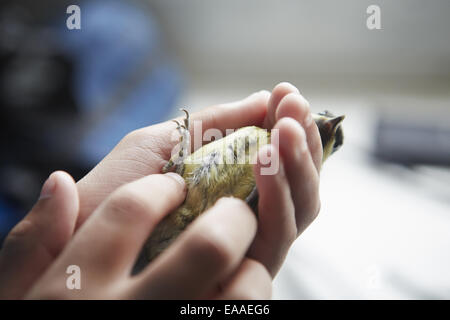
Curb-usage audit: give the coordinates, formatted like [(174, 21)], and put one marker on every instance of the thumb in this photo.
[(35, 242)]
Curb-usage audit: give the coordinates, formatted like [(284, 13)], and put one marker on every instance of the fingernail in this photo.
[(177, 178), (48, 188)]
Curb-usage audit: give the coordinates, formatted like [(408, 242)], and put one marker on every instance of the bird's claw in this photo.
[(185, 144), (186, 120)]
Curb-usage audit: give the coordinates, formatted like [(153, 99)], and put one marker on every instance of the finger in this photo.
[(300, 170), (276, 214), (108, 243), (296, 107), (250, 282), (249, 111), (38, 239), (278, 93), (206, 253)]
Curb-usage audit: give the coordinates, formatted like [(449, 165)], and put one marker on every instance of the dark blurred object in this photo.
[(36, 98), (68, 96), (410, 140)]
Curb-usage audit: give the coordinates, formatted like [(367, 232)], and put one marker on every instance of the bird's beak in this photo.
[(334, 122)]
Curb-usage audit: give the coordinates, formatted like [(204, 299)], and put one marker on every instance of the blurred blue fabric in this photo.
[(119, 42), (8, 217), (124, 79)]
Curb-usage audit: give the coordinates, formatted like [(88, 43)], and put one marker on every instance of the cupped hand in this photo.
[(207, 262), (289, 200)]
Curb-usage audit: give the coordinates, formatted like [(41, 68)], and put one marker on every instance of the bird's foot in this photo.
[(184, 147)]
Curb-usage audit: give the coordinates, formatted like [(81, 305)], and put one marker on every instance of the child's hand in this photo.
[(289, 201), (36, 241), (207, 261)]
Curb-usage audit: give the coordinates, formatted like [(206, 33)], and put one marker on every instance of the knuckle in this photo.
[(239, 207), (318, 207), (23, 228), (135, 135), (312, 213), (300, 101), (19, 233), (213, 247), (259, 269), (284, 87), (291, 96), (291, 234), (236, 205), (315, 208), (128, 204)]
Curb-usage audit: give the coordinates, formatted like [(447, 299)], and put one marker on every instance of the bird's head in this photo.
[(330, 130)]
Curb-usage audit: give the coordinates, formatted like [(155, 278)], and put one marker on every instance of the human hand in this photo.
[(283, 214), (289, 200), (206, 262), (37, 240), (106, 246)]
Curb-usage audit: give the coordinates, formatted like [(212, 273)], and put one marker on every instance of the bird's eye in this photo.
[(338, 139), (336, 146)]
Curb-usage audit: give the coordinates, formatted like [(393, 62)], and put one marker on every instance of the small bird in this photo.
[(223, 168)]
